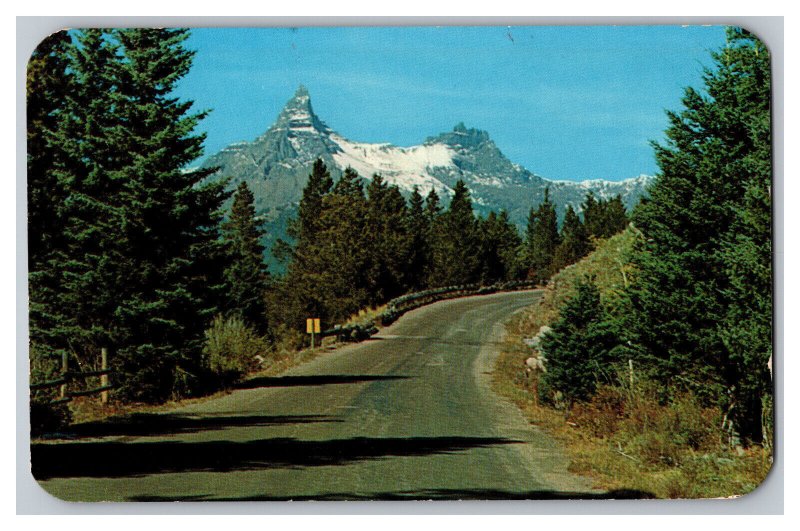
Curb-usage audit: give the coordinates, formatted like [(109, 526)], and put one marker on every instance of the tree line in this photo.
[(131, 250), (697, 317), (357, 246)]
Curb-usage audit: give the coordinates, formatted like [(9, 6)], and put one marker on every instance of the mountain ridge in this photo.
[(276, 165)]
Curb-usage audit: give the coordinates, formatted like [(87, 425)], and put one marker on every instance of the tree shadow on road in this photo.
[(152, 424), (119, 459), (317, 379)]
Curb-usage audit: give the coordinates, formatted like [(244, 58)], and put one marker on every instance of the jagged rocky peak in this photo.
[(461, 136), (276, 165), (298, 114)]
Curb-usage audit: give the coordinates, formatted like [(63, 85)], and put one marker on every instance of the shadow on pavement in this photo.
[(426, 494), (119, 459), (148, 424), (319, 379)]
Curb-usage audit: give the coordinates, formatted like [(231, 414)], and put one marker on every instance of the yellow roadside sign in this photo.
[(313, 326)]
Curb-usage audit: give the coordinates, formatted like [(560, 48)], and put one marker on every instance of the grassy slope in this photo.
[(635, 450)]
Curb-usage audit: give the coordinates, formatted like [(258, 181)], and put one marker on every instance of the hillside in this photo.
[(625, 438)]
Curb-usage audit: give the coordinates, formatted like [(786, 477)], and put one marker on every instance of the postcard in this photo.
[(400, 263)]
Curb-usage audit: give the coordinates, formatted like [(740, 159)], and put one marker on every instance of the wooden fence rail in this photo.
[(67, 376)]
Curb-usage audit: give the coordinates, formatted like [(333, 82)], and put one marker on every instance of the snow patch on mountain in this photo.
[(604, 189), (404, 167)]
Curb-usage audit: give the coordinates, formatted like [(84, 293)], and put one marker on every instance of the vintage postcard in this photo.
[(400, 263)]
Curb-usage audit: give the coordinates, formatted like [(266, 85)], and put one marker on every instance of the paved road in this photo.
[(408, 414)]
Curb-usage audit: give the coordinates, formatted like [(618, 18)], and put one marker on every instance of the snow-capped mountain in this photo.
[(276, 166)]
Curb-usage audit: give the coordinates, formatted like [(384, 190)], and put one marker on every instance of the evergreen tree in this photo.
[(419, 248), (246, 276), (433, 211), (604, 218), (343, 250), (703, 300), (592, 215), (746, 251), (48, 83), (74, 285), (490, 263), (527, 246), (574, 241), (388, 241), (299, 294), (138, 265), (615, 217), (499, 242), (433, 207), (455, 242), (510, 244), (173, 254), (304, 227), (542, 239), (580, 349)]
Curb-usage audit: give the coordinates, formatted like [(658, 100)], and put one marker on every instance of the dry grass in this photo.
[(366, 315)]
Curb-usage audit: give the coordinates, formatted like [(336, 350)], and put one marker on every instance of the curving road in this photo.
[(409, 414)]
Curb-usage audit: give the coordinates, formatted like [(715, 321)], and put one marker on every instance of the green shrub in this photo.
[(579, 348), (695, 426), (231, 348), (288, 340)]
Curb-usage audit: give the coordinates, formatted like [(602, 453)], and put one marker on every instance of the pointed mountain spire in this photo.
[(298, 114)]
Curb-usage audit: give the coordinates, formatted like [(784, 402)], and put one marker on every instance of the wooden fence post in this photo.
[(64, 368), (630, 372), (104, 376)]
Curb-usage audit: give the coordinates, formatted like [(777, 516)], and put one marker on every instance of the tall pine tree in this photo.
[(246, 276), (419, 246), (74, 285), (299, 294), (574, 243), (343, 249), (389, 246), (138, 265), (48, 84), (499, 243), (542, 239), (703, 299), (173, 253), (615, 217), (604, 218), (592, 215), (455, 242)]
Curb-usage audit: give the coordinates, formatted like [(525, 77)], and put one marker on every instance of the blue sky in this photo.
[(565, 102)]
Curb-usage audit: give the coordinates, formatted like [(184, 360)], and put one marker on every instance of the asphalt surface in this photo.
[(408, 414)]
